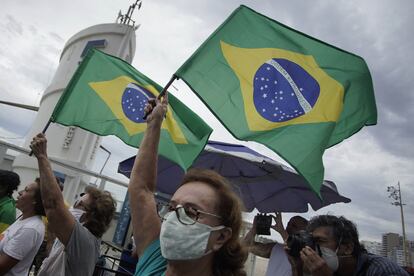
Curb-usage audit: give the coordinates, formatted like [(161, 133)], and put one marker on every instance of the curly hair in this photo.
[(230, 259), (100, 211), (344, 231), (10, 180)]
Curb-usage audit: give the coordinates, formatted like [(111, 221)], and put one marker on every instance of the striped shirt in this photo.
[(374, 265)]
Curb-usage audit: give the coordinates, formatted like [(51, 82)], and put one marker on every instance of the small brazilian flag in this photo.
[(271, 84), (107, 96)]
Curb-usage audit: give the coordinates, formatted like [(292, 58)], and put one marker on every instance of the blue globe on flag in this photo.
[(134, 99), (283, 90)]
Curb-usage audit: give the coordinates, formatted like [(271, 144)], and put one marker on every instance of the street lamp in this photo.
[(395, 194), (106, 161)]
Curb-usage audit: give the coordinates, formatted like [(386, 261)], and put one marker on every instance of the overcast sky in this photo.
[(33, 34)]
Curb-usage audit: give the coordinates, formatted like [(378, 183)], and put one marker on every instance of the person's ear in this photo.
[(347, 248), (223, 236)]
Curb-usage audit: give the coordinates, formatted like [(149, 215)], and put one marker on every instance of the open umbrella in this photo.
[(261, 182)]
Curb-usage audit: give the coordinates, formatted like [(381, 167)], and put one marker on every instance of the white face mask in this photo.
[(184, 242), (76, 213), (330, 258)]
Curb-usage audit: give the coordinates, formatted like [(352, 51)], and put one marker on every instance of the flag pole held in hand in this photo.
[(164, 90), (43, 131)]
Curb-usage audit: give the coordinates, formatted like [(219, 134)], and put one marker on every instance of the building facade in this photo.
[(392, 248), (373, 247), (389, 242)]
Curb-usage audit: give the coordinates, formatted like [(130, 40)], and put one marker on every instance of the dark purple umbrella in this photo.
[(261, 182)]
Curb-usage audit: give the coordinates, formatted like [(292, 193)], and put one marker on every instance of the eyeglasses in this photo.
[(187, 215)]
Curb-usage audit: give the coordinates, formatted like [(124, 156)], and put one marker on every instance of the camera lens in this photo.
[(296, 242)]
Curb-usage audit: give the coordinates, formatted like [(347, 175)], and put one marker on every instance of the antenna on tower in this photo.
[(127, 18)]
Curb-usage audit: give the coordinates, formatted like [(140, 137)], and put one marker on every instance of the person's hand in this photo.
[(254, 225), (156, 109), (39, 145), (295, 262), (313, 263), (278, 226)]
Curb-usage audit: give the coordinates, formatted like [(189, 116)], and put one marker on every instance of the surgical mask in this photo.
[(330, 258), (184, 242), (76, 213)]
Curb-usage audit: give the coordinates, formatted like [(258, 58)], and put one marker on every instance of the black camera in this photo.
[(296, 242), (263, 223)]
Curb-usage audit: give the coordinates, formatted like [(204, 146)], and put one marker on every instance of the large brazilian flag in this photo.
[(107, 96), (274, 85)]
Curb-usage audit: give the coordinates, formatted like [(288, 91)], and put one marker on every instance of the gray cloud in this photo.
[(13, 25), (16, 121), (27, 64), (56, 37), (363, 171)]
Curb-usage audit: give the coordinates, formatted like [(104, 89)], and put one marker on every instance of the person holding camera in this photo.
[(279, 263), (335, 250)]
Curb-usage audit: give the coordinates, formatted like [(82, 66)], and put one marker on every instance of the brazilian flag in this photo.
[(107, 96), (274, 85)]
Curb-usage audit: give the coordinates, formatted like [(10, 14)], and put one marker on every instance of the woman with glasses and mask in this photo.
[(197, 232)]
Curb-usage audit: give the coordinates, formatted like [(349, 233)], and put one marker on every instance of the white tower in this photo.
[(69, 144)]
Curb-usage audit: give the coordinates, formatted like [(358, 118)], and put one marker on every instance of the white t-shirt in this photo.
[(278, 263), (78, 258), (21, 241)]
